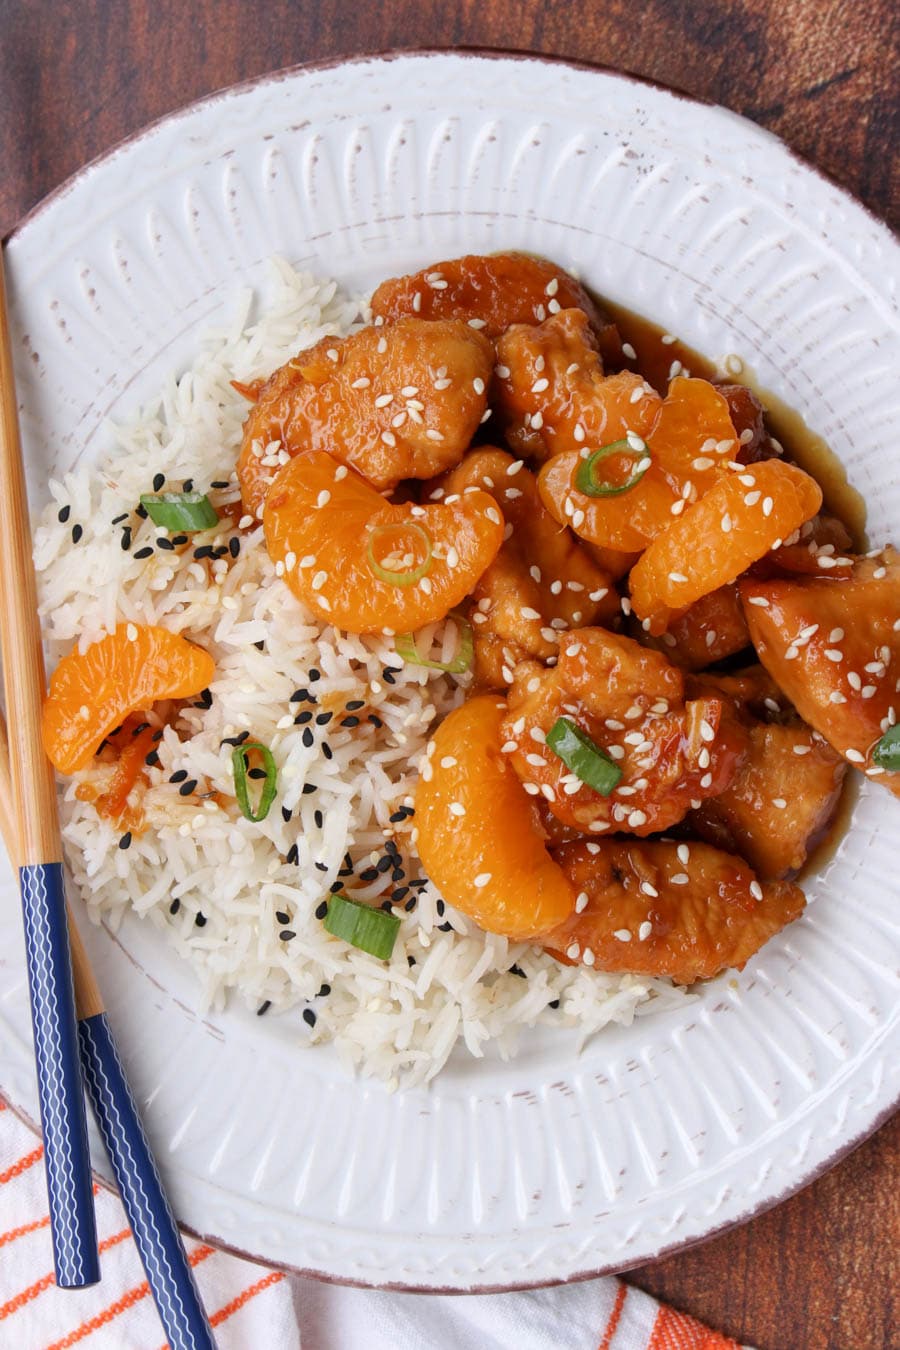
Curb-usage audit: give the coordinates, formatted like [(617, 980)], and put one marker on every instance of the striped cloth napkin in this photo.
[(252, 1308)]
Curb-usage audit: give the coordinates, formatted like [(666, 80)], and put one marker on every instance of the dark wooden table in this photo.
[(819, 1272)]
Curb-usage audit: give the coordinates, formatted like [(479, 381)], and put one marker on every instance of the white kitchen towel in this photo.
[(252, 1308)]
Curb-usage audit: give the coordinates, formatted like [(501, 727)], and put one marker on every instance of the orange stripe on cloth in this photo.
[(23, 1164), (621, 1295), (121, 1305), (13, 1233), (272, 1278), (26, 1295), (674, 1330)]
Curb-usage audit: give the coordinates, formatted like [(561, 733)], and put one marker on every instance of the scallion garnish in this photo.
[(586, 482), (174, 511), (886, 753), (371, 930), (240, 763), (396, 538), (586, 760), (405, 646)]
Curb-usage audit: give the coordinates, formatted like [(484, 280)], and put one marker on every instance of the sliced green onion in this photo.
[(239, 762), (887, 752), (399, 577), (174, 511), (586, 482), (371, 930), (586, 760), (405, 646)]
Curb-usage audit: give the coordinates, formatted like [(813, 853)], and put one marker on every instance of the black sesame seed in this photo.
[(517, 970), (141, 511), (324, 991), (399, 894), (383, 865), (348, 863), (157, 735), (554, 1003), (440, 907), (370, 874), (234, 546), (321, 867), (175, 907), (307, 737), (235, 740), (411, 903), (286, 934), (200, 921), (152, 760), (391, 848), (158, 480), (291, 856), (282, 917), (445, 927), (355, 704), (125, 841), (388, 675), (376, 721), (309, 788), (286, 813), (220, 483), (398, 815), (117, 520), (302, 718), (327, 750), (178, 776), (264, 1007), (298, 696), (141, 726), (322, 910), (336, 886), (63, 514), (144, 552), (260, 646), (126, 539), (187, 788), (165, 543), (77, 532), (221, 552), (318, 818), (323, 718), (178, 539), (188, 485), (387, 905), (314, 675), (204, 551), (309, 1017), (205, 699), (350, 722), (257, 773), (410, 961)]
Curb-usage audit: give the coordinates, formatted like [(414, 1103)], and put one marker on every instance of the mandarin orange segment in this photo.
[(480, 839), (738, 521), (366, 565), (686, 911), (494, 291), (693, 437), (127, 671), (626, 523), (398, 402)]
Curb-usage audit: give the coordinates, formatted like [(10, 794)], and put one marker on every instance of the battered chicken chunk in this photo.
[(491, 292), (833, 647), (551, 393), (631, 703), (784, 794), (707, 631), (397, 402), (687, 911), (542, 581)]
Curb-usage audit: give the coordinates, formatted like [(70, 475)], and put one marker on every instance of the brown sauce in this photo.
[(802, 445)]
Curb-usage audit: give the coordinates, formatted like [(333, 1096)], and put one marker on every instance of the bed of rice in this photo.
[(257, 887)]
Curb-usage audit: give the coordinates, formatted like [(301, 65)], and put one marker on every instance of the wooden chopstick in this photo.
[(63, 1121)]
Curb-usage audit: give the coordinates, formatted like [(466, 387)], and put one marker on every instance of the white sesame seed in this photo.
[(834, 654), (649, 890), (677, 577), (706, 780), (323, 603), (340, 473), (706, 731), (434, 435), (493, 514), (319, 580), (759, 600), (779, 802), (477, 323), (331, 353), (383, 400), (537, 420), (417, 302), (622, 934), (679, 879), (725, 524), (457, 809), (581, 900), (503, 372), (645, 930), (855, 757), (482, 880), (767, 506), (362, 383), (572, 951), (323, 498), (837, 697), (637, 818), (628, 350), (756, 890)]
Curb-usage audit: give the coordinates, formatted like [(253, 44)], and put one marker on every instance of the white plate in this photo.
[(550, 1166)]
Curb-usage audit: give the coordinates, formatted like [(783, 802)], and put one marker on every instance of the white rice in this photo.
[(447, 981)]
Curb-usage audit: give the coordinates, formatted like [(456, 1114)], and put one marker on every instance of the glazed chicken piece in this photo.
[(630, 702), (821, 546), (542, 581), (491, 292), (749, 420), (833, 646), (551, 394), (686, 911), (784, 794), (393, 403), (707, 631)]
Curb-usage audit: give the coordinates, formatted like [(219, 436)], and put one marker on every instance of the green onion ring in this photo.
[(371, 930), (585, 759), (584, 476), (399, 578), (241, 789), (405, 646), (886, 752), (180, 511)]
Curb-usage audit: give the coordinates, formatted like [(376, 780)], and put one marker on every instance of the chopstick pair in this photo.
[(72, 1039)]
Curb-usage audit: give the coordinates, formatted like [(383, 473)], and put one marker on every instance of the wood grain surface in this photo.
[(819, 1272)]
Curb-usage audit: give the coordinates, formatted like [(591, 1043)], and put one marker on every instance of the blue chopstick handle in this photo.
[(63, 1124), (152, 1221)]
